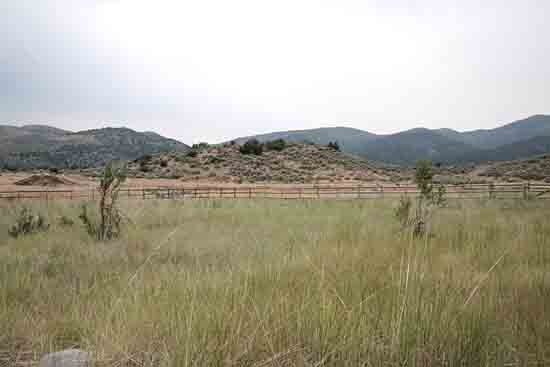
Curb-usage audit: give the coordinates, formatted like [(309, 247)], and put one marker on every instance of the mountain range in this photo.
[(519, 139), (40, 146)]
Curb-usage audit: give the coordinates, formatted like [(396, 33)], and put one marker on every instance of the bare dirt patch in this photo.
[(45, 180)]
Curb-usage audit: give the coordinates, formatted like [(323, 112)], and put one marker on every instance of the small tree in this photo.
[(334, 145), (277, 144), (430, 196), (28, 222), (109, 214), (200, 146), (252, 146)]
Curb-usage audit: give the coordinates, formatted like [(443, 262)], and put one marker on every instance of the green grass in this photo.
[(283, 283)]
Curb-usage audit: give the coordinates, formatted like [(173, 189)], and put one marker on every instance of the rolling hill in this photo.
[(37, 146), (297, 163), (518, 139), (350, 140)]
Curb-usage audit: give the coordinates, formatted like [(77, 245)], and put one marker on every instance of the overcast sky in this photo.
[(217, 69)]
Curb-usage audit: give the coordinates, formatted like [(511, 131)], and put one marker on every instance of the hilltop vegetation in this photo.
[(32, 147), (271, 162)]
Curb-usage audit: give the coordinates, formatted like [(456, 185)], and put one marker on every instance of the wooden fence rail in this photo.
[(509, 190)]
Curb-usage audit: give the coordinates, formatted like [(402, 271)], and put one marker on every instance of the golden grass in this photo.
[(283, 283)]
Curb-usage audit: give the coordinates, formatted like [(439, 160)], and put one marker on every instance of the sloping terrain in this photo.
[(297, 163), (350, 140), (512, 141), (45, 147), (522, 149), (517, 131), (530, 169), (407, 147)]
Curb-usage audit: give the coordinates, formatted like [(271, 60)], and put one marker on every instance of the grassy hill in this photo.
[(35, 146), (297, 163)]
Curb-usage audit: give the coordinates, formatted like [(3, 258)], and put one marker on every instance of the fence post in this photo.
[(491, 190), (234, 193), (318, 195), (525, 190), (250, 192)]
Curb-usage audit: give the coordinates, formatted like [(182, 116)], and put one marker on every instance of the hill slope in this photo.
[(42, 146), (515, 140), (298, 163), (350, 140), (407, 147), (522, 149), (521, 130)]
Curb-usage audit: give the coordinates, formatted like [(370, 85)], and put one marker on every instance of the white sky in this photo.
[(214, 70)]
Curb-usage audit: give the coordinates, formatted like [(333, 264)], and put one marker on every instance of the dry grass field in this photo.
[(282, 283)]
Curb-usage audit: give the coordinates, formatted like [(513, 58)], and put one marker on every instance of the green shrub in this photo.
[(65, 221), (277, 145), (27, 222), (334, 145), (252, 146), (215, 159), (192, 153), (200, 146), (107, 226)]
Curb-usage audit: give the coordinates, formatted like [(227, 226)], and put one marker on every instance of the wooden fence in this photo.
[(507, 190)]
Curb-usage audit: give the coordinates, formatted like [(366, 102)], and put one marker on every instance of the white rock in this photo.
[(65, 358)]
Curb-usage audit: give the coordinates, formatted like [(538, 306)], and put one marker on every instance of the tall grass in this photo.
[(283, 283)]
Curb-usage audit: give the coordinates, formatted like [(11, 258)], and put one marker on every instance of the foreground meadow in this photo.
[(282, 283)]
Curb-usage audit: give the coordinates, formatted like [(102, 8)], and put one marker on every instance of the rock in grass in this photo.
[(65, 358)]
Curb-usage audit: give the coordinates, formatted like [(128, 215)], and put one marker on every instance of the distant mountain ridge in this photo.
[(349, 138), (515, 140), (40, 146)]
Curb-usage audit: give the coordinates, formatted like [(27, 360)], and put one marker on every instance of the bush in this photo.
[(145, 158), (252, 146), (430, 197), (277, 145), (143, 166), (334, 145), (192, 153), (164, 163), (65, 221), (200, 146), (108, 224), (27, 222), (215, 159)]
